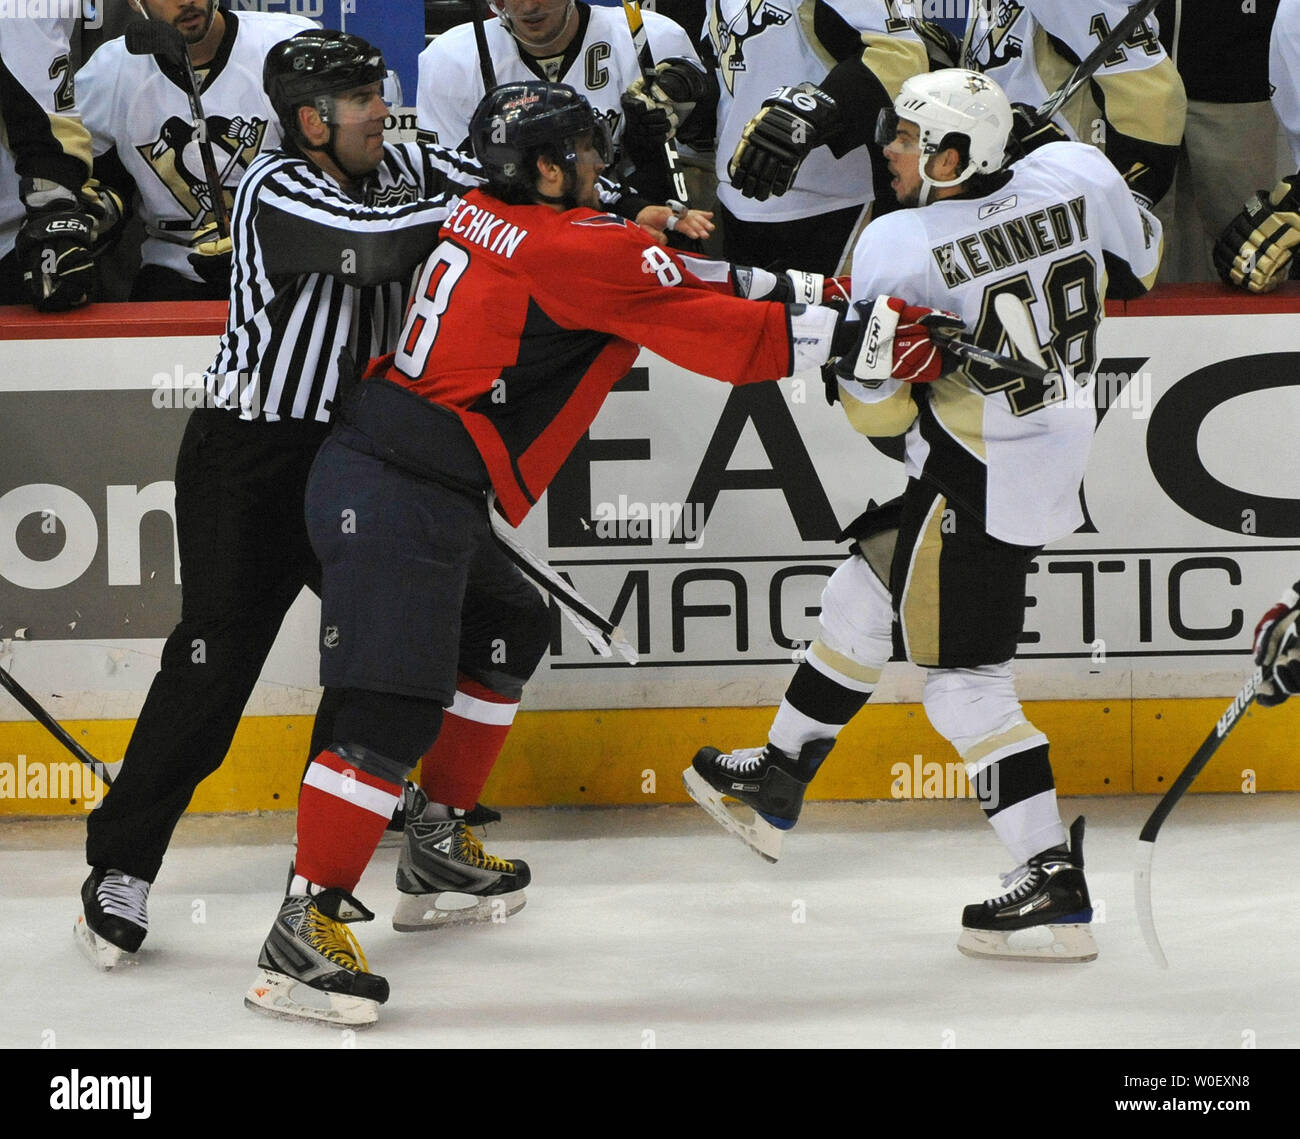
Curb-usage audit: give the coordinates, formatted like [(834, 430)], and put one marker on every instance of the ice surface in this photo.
[(652, 927)]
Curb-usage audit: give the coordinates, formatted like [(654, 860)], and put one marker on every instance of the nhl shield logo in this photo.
[(331, 638)]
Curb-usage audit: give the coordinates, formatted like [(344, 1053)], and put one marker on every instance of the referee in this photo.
[(326, 233)]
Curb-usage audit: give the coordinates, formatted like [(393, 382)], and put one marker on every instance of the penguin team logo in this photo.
[(729, 35), (176, 157), (993, 45)]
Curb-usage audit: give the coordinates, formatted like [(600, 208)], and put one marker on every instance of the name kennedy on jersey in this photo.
[(483, 227), (1012, 242)]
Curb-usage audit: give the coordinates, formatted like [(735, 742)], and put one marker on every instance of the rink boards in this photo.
[(705, 519)]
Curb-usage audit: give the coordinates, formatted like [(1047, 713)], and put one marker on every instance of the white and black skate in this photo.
[(311, 967), (1046, 915), (114, 918), (445, 877), (755, 793)]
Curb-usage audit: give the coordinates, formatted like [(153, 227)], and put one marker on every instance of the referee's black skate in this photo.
[(114, 917), (445, 877), (767, 784), (1045, 916), (311, 967)]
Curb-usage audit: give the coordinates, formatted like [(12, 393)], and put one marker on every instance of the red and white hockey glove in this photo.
[(895, 343), (1277, 651)]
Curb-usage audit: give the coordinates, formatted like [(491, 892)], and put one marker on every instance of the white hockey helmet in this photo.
[(954, 101)]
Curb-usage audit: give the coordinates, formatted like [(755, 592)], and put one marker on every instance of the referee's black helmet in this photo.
[(517, 122), (315, 63)]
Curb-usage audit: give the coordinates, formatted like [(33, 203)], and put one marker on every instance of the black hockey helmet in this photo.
[(517, 122), (317, 63)]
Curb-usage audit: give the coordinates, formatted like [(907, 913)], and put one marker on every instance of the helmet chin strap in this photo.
[(329, 148), (546, 48), (928, 184), (568, 199)]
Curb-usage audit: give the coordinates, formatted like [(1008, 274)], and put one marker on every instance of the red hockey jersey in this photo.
[(525, 318)]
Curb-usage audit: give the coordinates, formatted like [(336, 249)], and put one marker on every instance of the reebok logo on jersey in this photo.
[(990, 208)]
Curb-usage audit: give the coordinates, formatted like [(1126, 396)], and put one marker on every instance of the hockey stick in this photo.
[(480, 42), (636, 25), (51, 725), (1088, 66), (601, 633), (1147, 839), (973, 352), (152, 37)]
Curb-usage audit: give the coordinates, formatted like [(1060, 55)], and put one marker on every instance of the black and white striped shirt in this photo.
[(316, 270)]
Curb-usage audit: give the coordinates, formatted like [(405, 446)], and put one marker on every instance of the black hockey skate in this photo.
[(311, 967), (1045, 916), (479, 815), (445, 877), (768, 784), (114, 917)]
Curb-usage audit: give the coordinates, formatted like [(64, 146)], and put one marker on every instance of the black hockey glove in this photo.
[(1031, 132), (790, 123), (211, 259), (654, 108), (53, 252), (942, 47), (1254, 252), (1277, 652)]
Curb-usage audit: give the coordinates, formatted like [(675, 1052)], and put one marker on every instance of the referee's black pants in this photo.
[(244, 559)]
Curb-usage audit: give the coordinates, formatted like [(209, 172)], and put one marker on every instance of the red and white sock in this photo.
[(474, 730), (342, 813)]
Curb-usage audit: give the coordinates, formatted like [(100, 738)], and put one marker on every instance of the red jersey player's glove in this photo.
[(895, 343), (1277, 652)]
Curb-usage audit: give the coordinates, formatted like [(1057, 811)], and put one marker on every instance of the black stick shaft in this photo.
[(51, 725), (1232, 715), (1095, 59), (484, 55)]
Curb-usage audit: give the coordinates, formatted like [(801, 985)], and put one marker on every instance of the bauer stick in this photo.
[(1147, 839), (636, 25), (51, 725), (152, 37)]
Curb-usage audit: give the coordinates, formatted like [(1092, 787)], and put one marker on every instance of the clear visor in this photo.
[(887, 133), (600, 148)]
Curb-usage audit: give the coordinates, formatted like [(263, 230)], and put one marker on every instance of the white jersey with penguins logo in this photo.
[(1009, 41), (764, 44), (131, 106), (34, 53), (603, 66), (1012, 450)]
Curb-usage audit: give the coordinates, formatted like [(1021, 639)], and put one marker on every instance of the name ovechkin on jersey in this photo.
[(1004, 245), (482, 227)]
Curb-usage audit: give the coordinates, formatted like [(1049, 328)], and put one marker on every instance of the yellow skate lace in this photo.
[(333, 940), (472, 851)]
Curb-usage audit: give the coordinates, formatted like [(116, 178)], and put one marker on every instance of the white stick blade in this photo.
[(1142, 902)]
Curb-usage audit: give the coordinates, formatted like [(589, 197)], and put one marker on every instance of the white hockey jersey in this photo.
[(601, 66), (132, 107), (1284, 72), (1012, 450), (34, 53), (1008, 41), (764, 44)]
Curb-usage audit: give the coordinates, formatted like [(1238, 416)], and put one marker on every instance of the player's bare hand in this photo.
[(658, 220)]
